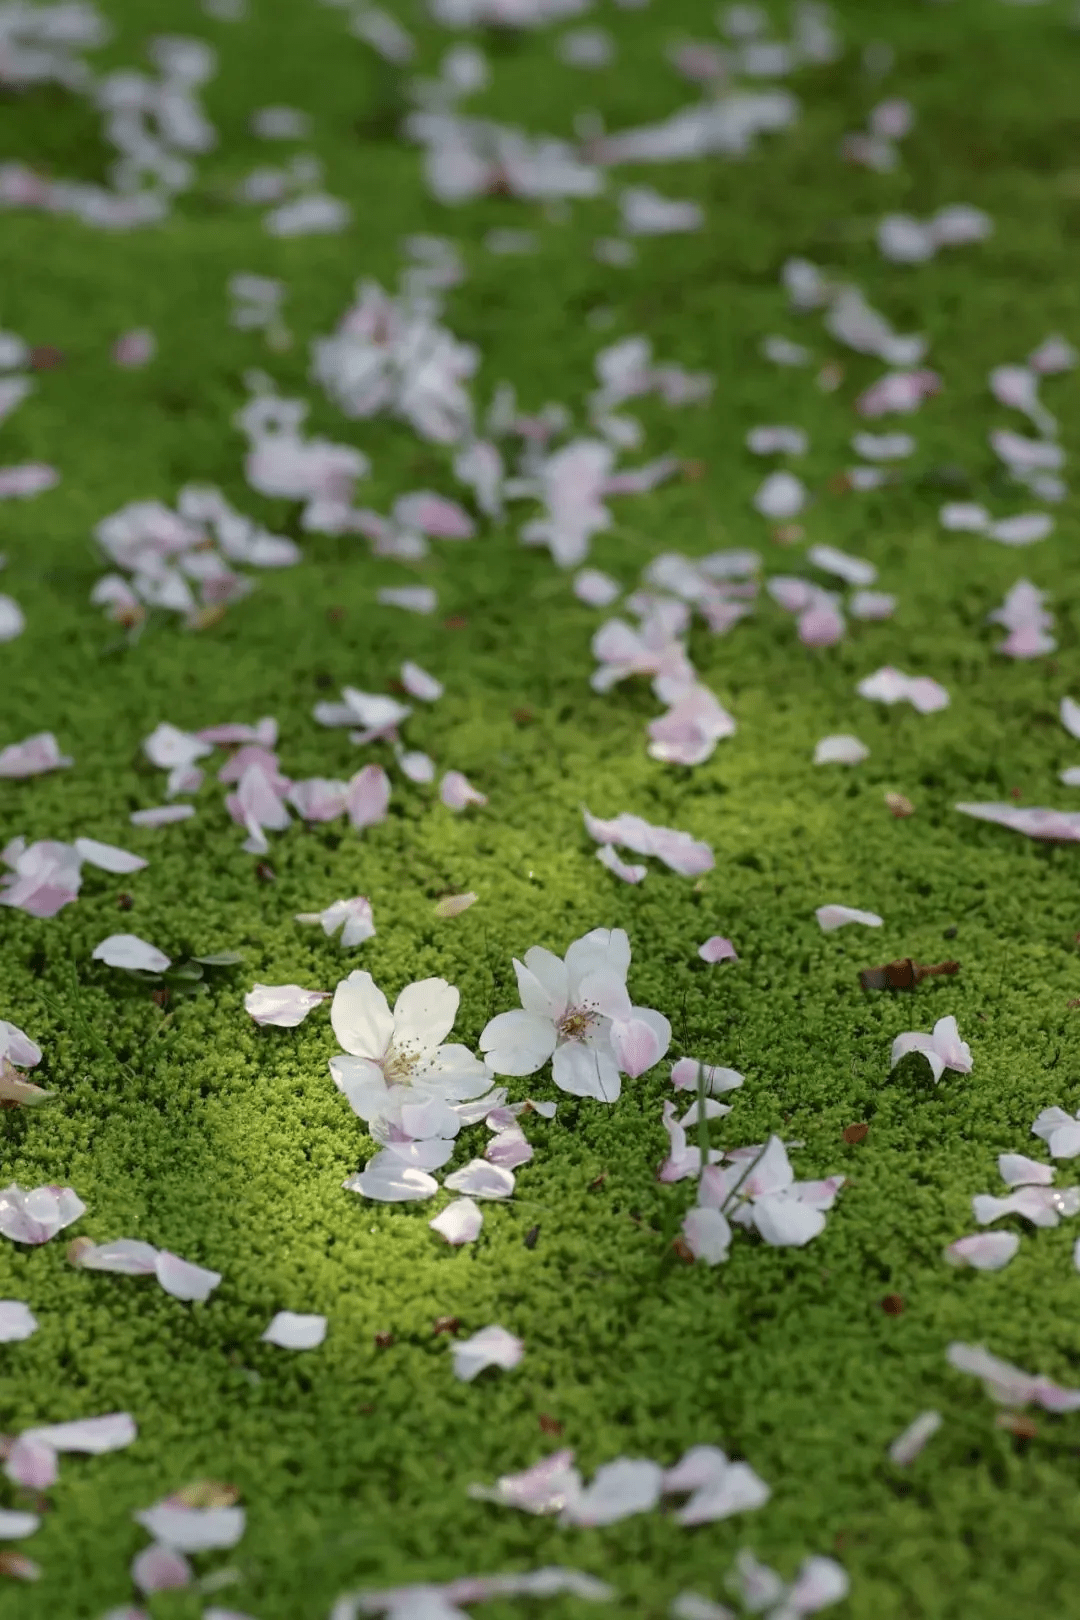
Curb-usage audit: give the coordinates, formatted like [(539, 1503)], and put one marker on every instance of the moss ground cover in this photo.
[(188, 1126)]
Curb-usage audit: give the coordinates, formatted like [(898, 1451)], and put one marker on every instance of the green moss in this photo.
[(229, 1144)]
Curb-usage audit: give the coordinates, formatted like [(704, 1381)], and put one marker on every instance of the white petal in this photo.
[(831, 917), (906, 1447), (192, 1530), (13, 1525), (840, 750), (283, 1005), (585, 1070), (620, 1488), (491, 1347), (517, 1043), (182, 1279), (91, 1435), (386, 1180), (361, 1016), (786, 1222), (481, 1180), (294, 1332), (738, 1491), (108, 857), (984, 1251), (602, 948), (128, 1256), (459, 1222), (17, 1321), (542, 983), (424, 1015), (707, 1234), (131, 952)]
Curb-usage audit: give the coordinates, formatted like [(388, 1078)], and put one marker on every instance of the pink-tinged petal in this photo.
[(585, 1070), (907, 1446), (182, 1279), (318, 799), (1017, 1170), (433, 515), (361, 1017), (135, 348), (517, 1043), (132, 953), (547, 1487), (283, 1005), (490, 1347), (159, 1569), (594, 588), (460, 1222), (17, 1047), (424, 1015), (417, 766), (128, 1256), (419, 684), (509, 1149), (478, 1179), (29, 479), (819, 1582), (32, 757), (367, 797), (872, 605), (17, 1321), (385, 1179), (32, 1463), (738, 1490), (638, 1045), (108, 857), (457, 792), (911, 1041), (984, 1251), (718, 949), (822, 625), (37, 1215), (833, 917), (162, 815), (294, 1332), (619, 1489), (621, 869), (707, 1234)]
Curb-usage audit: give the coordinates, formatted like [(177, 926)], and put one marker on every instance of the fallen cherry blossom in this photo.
[(32, 757), (1057, 826), (160, 1569), (133, 1258), (907, 1446), (284, 1005), (1009, 1385), (840, 750), (984, 1251), (293, 1332), (12, 619), (36, 1216), (832, 917), (385, 1179), (17, 1321), (130, 952), (888, 685), (478, 1179), (1060, 1131), (460, 1222), (457, 792), (718, 949), (678, 850), (490, 1347), (418, 1602), (164, 815), (354, 917), (943, 1049)]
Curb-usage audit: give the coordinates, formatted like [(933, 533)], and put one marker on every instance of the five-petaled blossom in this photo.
[(396, 1069), (577, 1012)]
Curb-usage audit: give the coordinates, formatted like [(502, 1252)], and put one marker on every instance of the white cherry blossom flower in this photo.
[(396, 1067)]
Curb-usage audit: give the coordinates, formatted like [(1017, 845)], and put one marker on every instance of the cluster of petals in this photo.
[(45, 876), (31, 1460), (679, 851), (1029, 624), (352, 920), (1008, 1385), (446, 1602), (888, 685), (757, 1190), (715, 1487), (180, 1530), (906, 240), (133, 1258), (35, 1216)]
